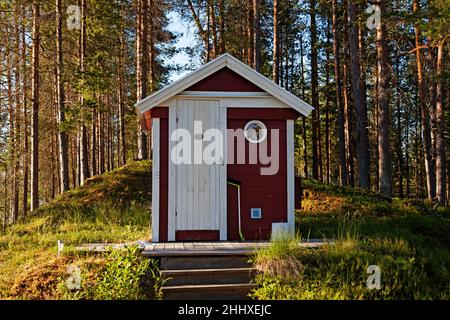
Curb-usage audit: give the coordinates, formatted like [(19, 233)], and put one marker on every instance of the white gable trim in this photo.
[(213, 66)]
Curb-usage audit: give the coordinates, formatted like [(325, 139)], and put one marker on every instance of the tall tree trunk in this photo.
[(440, 139), (276, 45), (348, 125), (152, 52), (142, 70), (17, 88), (121, 103), (73, 155), (417, 138), (376, 132), (221, 21), (60, 96), (327, 111), (407, 166), (399, 130), (93, 152), (426, 129), (430, 65), (348, 112), (35, 108), (339, 106), (314, 93), (385, 161), (10, 130), (305, 141), (362, 138), (84, 173), (25, 117), (213, 27), (256, 37), (208, 33)]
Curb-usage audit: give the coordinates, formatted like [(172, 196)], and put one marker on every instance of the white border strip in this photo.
[(155, 178), (290, 176)]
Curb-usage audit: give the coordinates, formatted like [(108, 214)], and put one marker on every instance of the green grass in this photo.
[(110, 208), (409, 240)]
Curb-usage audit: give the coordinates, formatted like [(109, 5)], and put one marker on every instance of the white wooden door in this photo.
[(200, 188)]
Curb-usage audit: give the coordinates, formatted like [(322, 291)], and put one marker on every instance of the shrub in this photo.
[(279, 259), (126, 275)]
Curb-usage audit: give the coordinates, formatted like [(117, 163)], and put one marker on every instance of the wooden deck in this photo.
[(205, 248), (208, 248)]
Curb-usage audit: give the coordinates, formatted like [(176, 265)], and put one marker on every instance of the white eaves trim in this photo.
[(225, 60)]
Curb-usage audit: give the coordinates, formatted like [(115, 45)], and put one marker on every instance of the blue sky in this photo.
[(187, 39)]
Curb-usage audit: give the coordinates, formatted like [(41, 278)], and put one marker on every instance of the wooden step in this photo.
[(231, 291), (208, 276), (203, 262)]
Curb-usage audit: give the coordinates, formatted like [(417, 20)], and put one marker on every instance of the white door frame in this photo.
[(172, 175), (155, 178)]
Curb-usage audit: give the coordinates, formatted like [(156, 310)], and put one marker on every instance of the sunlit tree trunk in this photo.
[(426, 128), (440, 121), (35, 108), (60, 96), (339, 106), (358, 89), (385, 161)]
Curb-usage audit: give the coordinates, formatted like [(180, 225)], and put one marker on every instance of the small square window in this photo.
[(256, 213)]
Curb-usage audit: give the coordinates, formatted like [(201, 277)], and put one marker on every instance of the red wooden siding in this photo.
[(197, 235), (266, 192), (262, 114), (225, 80), (158, 112)]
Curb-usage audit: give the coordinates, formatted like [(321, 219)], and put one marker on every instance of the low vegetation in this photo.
[(125, 275), (408, 240), (111, 208)]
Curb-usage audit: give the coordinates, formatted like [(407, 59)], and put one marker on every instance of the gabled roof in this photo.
[(225, 60)]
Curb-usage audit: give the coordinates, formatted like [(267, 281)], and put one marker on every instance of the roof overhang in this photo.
[(225, 60)]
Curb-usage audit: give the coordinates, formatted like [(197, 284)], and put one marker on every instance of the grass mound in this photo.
[(407, 240), (110, 208)]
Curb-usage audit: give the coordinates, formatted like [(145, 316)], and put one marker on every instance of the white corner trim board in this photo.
[(213, 66), (171, 219), (155, 178), (290, 176)]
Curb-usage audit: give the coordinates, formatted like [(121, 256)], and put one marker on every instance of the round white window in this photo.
[(255, 131)]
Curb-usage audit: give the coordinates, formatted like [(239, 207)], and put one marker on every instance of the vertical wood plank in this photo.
[(223, 180), (190, 173), (179, 170), (196, 204), (172, 175)]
